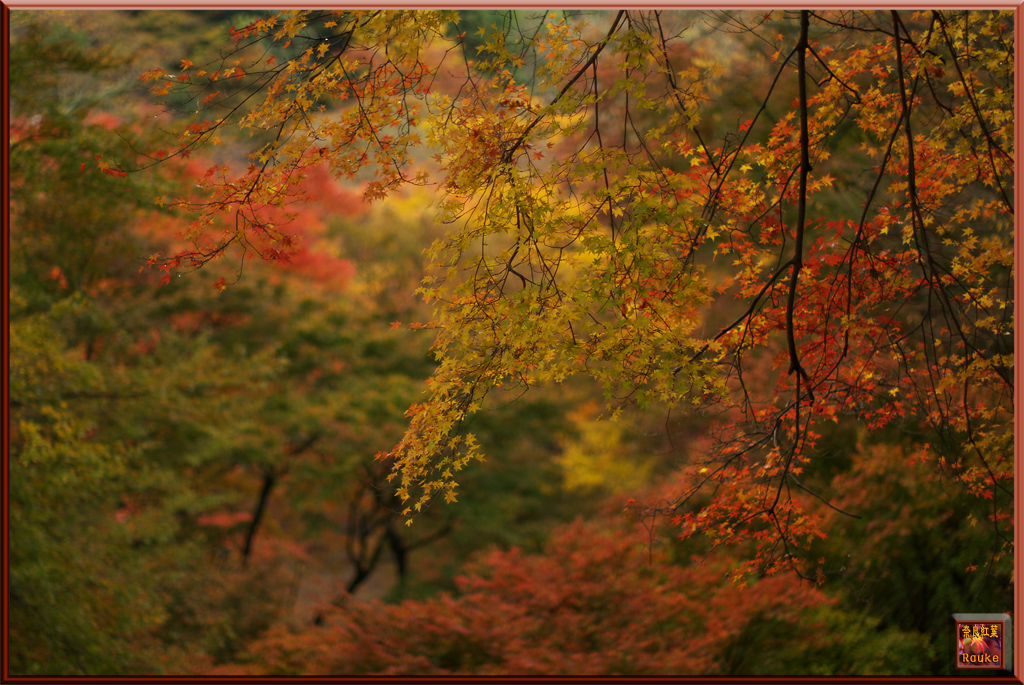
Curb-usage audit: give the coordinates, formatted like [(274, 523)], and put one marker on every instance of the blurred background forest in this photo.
[(193, 487)]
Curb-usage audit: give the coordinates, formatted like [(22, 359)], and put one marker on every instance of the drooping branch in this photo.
[(507, 156), (969, 94), (805, 169)]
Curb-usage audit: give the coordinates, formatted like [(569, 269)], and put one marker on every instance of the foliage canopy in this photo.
[(845, 251), (697, 278)]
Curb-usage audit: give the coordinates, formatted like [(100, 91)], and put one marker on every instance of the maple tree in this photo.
[(589, 602), (118, 455), (620, 196), (921, 524), (840, 252), (181, 466)]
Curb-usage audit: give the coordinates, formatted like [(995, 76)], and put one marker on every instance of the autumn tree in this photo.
[(181, 465), (840, 252), (588, 603), (106, 544), (924, 542), (136, 494)]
